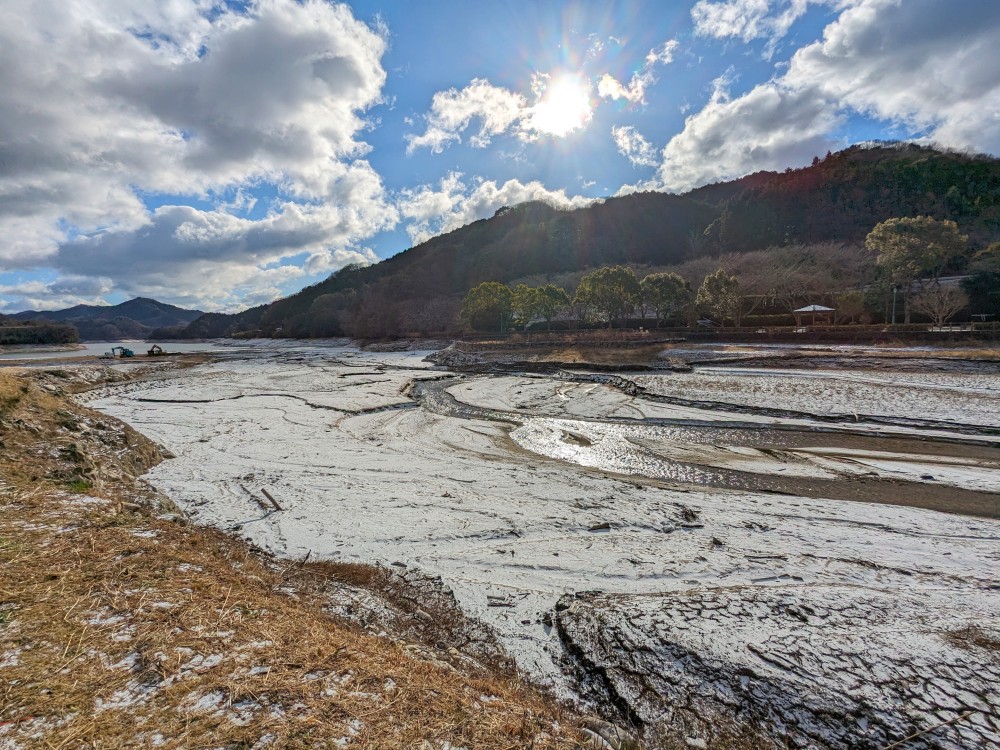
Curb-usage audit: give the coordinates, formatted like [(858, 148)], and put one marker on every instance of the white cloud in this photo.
[(326, 261), (752, 19), (919, 65), (104, 101), (744, 19), (922, 64), (454, 204), (635, 92), (770, 127), (632, 145), (561, 104), (63, 292), (220, 260), (453, 110)]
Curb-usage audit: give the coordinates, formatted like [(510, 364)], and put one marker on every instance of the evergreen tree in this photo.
[(612, 292), (488, 307), (666, 293), (915, 248), (719, 296)]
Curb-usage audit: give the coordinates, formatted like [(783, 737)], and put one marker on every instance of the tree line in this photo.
[(901, 264), (16, 332), (806, 226)]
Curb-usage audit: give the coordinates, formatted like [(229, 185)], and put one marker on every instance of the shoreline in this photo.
[(9, 349), (87, 504)]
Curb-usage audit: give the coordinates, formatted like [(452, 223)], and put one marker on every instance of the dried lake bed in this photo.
[(816, 551)]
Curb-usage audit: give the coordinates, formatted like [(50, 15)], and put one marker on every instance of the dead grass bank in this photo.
[(121, 625)]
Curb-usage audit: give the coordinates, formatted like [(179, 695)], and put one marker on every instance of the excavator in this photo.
[(120, 351)]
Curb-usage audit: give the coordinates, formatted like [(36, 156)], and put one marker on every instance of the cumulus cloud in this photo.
[(633, 146), (63, 292), (919, 65), (770, 127), (635, 92), (752, 19), (105, 102), (561, 104), (220, 260), (326, 261), (453, 110), (453, 204)]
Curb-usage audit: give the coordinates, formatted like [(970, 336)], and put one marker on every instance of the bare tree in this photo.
[(792, 287), (755, 282), (940, 303)]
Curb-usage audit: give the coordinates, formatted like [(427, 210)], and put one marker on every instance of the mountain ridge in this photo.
[(838, 198), (134, 318)]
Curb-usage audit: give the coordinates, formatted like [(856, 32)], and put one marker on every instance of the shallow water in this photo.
[(600, 423), (99, 348)]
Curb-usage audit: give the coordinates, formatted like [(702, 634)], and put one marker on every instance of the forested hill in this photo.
[(838, 198), (15, 332), (132, 319), (844, 195)]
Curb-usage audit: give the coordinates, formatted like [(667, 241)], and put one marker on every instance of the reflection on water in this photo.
[(620, 449), (804, 463), (808, 460)]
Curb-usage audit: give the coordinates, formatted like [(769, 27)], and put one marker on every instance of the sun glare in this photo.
[(564, 106)]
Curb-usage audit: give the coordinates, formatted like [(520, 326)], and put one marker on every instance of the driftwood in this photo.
[(261, 503), (264, 506), (274, 502)]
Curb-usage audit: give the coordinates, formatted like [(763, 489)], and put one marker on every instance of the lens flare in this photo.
[(563, 106)]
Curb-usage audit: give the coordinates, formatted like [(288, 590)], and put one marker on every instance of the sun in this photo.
[(563, 104)]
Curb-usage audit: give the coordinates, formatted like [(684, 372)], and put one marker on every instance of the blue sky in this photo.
[(218, 155)]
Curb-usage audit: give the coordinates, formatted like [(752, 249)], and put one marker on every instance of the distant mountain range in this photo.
[(136, 318), (839, 198)]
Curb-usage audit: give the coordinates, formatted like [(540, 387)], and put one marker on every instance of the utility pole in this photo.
[(895, 288)]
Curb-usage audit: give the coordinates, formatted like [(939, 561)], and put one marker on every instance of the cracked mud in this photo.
[(816, 556)]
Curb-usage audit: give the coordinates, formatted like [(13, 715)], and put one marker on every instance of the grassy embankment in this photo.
[(122, 625)]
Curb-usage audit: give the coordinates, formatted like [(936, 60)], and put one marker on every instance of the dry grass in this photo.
[(991, 354), (411, 606), (123, 628)]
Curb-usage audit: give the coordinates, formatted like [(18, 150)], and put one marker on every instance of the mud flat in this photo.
[(841, 666), (673, 549)]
